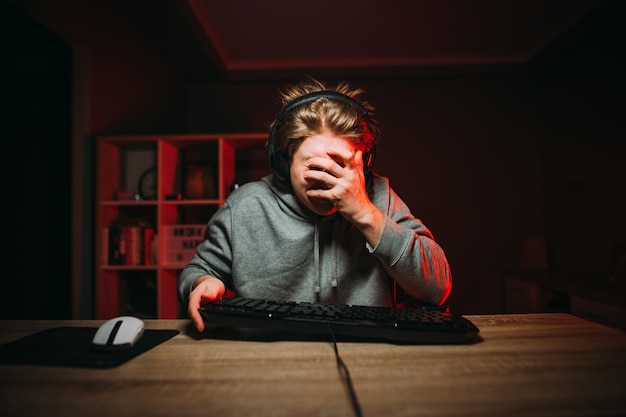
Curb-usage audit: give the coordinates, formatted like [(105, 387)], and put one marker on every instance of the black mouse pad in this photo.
[(71, 346)]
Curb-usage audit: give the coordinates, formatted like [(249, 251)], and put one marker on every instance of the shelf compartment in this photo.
[(219, 161)]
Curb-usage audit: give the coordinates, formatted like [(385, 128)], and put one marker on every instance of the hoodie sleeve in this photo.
[(410, 255), (213, 256)]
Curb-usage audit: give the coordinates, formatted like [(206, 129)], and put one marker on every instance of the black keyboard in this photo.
[(428, 325)]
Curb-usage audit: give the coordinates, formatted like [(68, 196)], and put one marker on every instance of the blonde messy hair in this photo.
[(324, 115)]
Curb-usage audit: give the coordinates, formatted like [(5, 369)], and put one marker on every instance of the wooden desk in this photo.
[(535, 364)]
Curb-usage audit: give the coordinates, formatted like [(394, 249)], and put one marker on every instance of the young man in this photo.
[(323, 227)]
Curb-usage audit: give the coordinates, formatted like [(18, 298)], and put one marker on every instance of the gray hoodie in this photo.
[(263, 244)]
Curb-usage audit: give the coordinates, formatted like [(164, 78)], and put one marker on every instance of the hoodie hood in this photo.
[(286, 199)]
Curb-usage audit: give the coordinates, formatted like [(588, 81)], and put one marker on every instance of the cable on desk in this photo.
[(345, 373)]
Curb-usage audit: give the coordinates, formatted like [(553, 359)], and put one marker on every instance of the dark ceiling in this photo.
[(276, 39), (247, 39)]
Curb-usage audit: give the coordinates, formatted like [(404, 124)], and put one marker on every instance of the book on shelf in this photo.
[(114, 245), (149, 238), (133, 239), (128, 244), (136, 244)]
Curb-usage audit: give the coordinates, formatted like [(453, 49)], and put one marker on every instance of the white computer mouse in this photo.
[(119, 333)]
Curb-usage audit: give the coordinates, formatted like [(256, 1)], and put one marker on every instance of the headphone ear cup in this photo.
[(368, 159), (276, 159), (281, 166)]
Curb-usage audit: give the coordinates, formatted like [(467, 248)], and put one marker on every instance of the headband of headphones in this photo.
[(278, 161)]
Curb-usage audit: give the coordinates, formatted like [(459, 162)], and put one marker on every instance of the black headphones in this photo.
[(279, 161)]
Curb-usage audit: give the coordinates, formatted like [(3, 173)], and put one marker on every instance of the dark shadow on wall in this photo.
[(36, 169)]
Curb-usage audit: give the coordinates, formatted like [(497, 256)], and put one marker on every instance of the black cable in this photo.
[(345, 373)]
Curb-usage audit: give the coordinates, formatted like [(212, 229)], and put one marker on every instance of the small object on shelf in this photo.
[(180, 241), (199, 182), (147, 185), (123, 195)]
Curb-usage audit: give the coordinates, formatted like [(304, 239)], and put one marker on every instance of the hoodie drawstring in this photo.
[(316, 258), (333, 281), (339, 227)]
